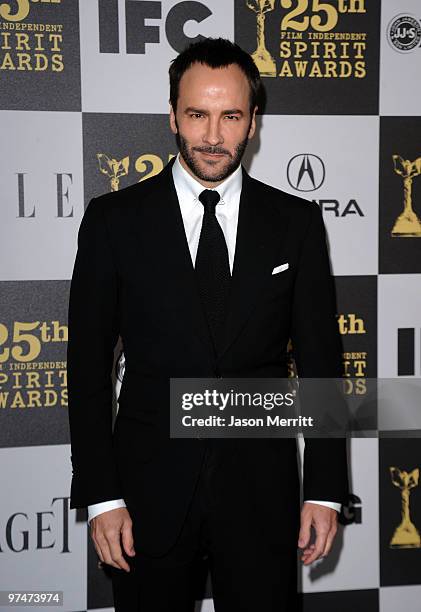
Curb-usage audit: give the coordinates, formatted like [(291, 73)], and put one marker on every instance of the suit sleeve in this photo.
[(317, 350), (93, 332)]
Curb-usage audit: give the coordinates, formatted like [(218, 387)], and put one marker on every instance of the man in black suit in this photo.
[(204, 272)]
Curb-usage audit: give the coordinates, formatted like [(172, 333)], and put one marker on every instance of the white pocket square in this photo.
[(280, 268)]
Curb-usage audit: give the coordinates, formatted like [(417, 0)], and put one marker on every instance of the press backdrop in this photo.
[(84, 110)]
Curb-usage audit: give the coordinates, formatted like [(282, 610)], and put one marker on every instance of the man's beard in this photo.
[(234, 160)]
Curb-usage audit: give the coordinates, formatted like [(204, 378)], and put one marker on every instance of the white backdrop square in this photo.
[(41, 185), (353, 562), (400, 83), (395, 598), (322, 158), (137, 82), (399, 308), (46, 547)]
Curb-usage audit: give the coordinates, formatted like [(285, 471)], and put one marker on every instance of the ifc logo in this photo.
[(404, 33)]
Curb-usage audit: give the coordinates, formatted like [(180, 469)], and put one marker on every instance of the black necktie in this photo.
[(212, 265)]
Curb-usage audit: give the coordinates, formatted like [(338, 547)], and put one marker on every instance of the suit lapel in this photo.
[(260, 239), (175, 242)]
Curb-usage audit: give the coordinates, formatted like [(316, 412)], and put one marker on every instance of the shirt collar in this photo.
[(188, 189)]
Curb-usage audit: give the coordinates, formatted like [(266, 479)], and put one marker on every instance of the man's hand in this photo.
[(325, 522), (105, 532)]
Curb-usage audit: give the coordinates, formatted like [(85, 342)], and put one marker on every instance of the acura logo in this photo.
[(306, 172)]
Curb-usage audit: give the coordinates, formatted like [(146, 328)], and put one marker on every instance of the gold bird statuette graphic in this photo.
[(113, 168), (406, 535), (261, 57), (407, 225)]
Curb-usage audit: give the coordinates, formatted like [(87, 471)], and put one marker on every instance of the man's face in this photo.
[(213, 123)]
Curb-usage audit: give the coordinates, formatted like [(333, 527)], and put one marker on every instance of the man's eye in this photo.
[(196, 115), (232, 117)]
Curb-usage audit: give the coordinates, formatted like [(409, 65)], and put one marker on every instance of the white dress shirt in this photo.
[(188, 190)]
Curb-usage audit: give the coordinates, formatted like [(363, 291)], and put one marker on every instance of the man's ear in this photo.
[(253, 123), (173, 123)]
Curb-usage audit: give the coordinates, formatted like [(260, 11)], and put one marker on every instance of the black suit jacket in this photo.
[(133, 276)]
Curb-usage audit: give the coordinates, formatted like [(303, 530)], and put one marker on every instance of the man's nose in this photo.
[(213, 134)]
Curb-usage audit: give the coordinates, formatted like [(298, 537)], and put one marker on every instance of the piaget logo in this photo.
[(311, 43), (26, 46)]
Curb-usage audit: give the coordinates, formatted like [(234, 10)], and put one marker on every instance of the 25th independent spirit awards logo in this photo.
[(39, 55), (314, 57)]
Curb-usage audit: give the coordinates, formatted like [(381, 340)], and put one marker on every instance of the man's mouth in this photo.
[(213, 155)]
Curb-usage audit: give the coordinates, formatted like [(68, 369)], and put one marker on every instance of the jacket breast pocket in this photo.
[(280, 283)]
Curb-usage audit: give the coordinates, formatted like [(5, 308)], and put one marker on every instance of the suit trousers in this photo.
[(247, 574)]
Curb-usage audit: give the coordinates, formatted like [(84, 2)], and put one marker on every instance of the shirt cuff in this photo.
[(96, 509), (334, 505)]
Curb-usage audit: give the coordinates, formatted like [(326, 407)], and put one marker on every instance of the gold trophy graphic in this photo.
[(407, 225), (113, 168), (406, 535), (262, 58)]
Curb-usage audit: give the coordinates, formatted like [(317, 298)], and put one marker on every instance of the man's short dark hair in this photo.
[(215, 53)]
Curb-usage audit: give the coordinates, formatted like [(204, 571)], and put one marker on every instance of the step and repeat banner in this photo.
[(84, 110)]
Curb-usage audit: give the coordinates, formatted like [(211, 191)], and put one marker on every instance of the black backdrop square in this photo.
[(398, 136), (398, 566), (144, 141), (50, 78)]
